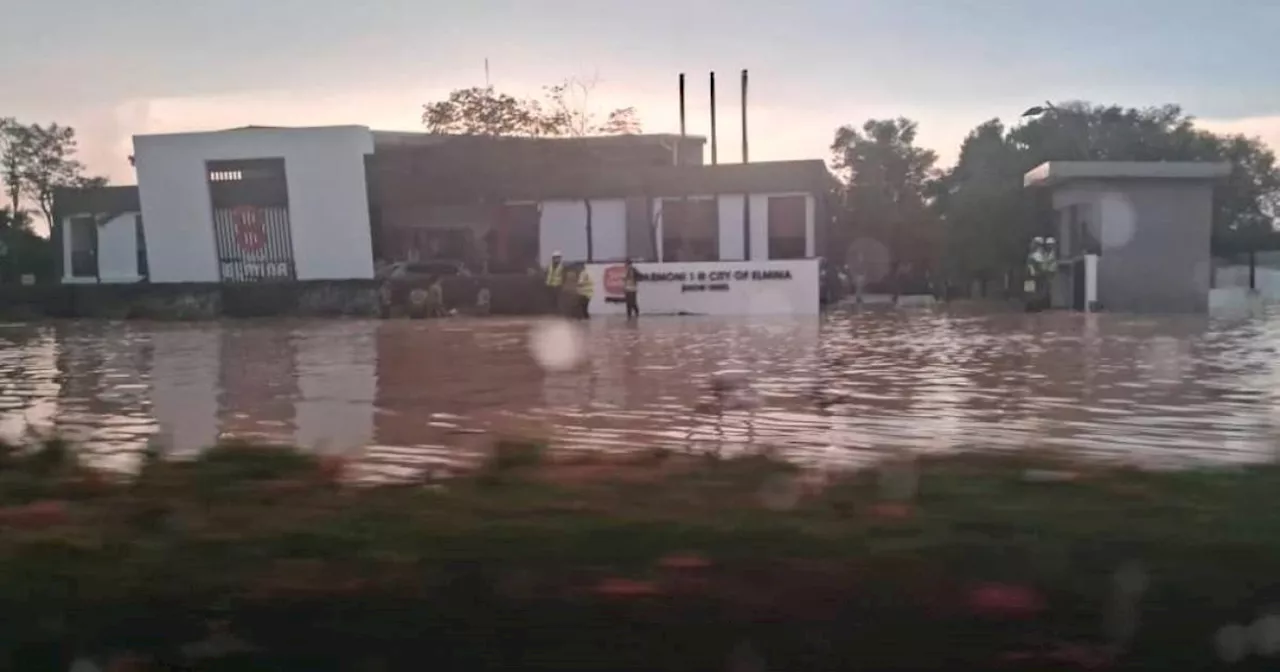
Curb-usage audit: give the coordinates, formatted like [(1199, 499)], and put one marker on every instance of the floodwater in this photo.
[(402, 395)]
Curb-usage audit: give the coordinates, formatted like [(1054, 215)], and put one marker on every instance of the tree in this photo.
[(484, 111), (984, 212), (885, 181), (569, 112), (22, 252), (12, 144), (563, 112), (50, 164), (36, 161)]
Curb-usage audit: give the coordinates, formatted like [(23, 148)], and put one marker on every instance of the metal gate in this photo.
[(251, 228)]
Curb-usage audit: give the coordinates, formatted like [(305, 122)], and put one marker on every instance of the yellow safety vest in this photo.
[(555, 275), (585, 287), (629, 282)]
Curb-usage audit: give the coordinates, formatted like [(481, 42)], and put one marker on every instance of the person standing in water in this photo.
[(630, 281), (585, 291), (554, 281)]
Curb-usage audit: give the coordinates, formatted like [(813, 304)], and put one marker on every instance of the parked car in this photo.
[(402, 280), (433, 268)]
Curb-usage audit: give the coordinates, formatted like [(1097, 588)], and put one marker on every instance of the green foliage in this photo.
[(990, 218), (885, 181), (563, 112), (24, 251), (657, 564), (35, 161)]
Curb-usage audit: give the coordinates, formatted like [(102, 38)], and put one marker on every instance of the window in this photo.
[(512, 244), (787, 215), (690, 229), (84, 247)]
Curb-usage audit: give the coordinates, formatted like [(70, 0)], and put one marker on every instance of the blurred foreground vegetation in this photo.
[(267, 558)]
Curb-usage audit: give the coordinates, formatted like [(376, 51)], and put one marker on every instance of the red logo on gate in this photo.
[(251, 235), (615, 279)]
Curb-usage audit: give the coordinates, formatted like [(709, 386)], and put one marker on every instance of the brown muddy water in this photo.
[(400, 395)]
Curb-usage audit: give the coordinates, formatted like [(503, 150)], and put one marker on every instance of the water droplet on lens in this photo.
[(557, 345)]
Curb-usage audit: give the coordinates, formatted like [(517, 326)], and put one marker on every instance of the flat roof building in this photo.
[(326, 203), (1131, 236)]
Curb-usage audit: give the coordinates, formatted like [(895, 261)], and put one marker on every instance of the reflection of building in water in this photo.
[(311, 386), (184, 386), (335, 384), (103, 402), (258, 384), (29, 381)]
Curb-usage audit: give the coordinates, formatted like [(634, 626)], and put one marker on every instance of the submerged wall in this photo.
[(190, 301)]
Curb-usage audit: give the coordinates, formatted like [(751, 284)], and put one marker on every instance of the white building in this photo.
[(323, 203)]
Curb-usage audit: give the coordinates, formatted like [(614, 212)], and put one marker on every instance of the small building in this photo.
[(278, 204), (1131, 236)]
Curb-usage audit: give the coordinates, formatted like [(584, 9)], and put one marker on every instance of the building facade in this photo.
[(279, 204), (1131, 236)]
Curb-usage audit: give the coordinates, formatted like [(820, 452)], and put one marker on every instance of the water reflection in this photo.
[(407, 394)]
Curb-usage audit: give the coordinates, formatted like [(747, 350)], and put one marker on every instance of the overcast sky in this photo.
[(114, 69)]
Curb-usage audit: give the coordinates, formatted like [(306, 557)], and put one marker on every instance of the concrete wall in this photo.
[(1154, 237), (117, 250), (328, 201)]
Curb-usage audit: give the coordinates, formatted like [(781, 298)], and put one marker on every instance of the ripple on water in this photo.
[(405, 396)]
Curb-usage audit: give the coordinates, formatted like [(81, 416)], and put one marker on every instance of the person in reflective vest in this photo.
[(554, 280), (630, 281), (585, 290)]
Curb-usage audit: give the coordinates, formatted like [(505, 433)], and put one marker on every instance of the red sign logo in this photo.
[(615, 278), (251, 235)]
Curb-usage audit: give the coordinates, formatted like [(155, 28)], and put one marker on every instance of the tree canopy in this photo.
[(563, 111), (886, 177), (35, 161)]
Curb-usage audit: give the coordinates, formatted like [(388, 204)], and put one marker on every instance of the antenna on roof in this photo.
[(486, 72)]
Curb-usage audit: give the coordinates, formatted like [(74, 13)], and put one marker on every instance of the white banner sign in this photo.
[(711, 288)]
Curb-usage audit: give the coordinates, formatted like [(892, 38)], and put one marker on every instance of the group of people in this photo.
[(570, 288)]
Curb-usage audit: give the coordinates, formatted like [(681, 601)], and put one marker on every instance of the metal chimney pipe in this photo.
[(714, 161), (682, 127), (745, 158), (746, 198)]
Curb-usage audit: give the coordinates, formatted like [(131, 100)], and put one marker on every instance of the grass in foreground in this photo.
[(269, 559)]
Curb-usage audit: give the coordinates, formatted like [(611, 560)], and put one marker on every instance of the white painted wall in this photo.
[(731, 238), (609, 229), (563, 227), (117, 251), (1090, 280), (328, 201), (744, 293)]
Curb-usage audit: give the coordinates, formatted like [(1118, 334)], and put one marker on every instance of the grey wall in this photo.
[(1155, 242)]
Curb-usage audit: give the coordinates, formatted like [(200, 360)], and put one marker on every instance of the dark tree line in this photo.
[(974, 221), (35, 161)]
